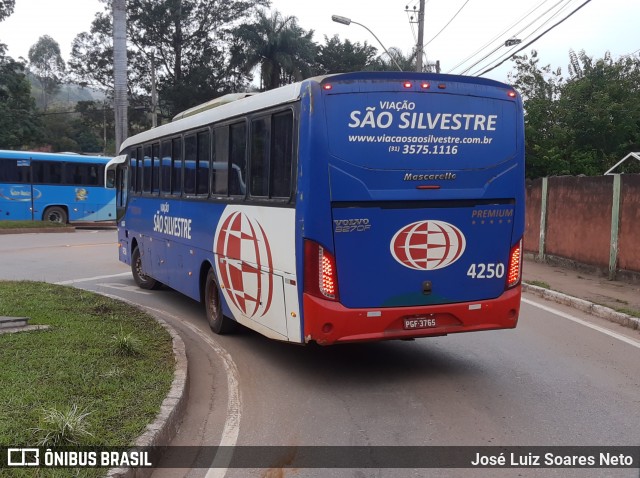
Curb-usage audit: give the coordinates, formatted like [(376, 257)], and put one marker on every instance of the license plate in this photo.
[(420, 323)]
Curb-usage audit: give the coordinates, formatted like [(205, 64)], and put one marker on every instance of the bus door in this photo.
[(424, 195)]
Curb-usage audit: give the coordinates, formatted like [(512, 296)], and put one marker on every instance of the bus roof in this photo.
[(62, 157), (286, 94)]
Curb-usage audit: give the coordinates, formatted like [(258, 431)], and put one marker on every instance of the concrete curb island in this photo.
[(584, 306), (163, 429)]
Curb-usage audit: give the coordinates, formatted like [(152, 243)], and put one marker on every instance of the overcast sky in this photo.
[(480, 27)]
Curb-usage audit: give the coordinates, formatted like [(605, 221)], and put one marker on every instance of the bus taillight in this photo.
[(514, 270), (320, 277)]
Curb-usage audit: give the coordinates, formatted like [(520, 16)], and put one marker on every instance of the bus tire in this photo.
[(220, 324), (55, 214), (142, 280)]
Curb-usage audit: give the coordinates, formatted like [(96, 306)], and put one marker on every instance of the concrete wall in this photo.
[(578, 217), (629, 241), (533, 201)]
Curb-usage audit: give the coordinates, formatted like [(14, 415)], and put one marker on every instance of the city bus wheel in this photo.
[(55, 214), (142, 280), (217, 321)]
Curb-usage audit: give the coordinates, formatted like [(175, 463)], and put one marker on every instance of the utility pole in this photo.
[(420, 45), (120, 103), (154, 92)]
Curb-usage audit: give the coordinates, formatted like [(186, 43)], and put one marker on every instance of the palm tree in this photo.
[(407, 63), (283, 51)]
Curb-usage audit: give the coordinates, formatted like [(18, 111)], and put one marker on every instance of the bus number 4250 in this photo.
[(486, 271)]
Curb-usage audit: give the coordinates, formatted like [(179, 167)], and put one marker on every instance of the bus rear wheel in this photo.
[(55, 214), (142, 280), (220, 324)]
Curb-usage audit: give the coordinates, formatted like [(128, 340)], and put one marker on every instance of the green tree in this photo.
[(47, 65), (336, 56), (190, 41), (6, 8), (282, 50), (600, 103), (394, 58), (582, 124), (19, 124), (540, 90)]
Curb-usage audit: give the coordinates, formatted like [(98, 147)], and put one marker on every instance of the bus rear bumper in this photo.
[(327, 322)]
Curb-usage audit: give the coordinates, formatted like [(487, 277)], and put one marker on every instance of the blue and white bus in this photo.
[(54, 187), (344, 208)]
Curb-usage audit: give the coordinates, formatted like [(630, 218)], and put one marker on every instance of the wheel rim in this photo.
[(139, 272), (54, 216), (212, 303)]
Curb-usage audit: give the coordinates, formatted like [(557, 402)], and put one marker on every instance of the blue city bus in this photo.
[(349, 207), (54, 187)]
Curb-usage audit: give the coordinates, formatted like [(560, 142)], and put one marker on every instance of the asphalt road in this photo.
[(554, 380)]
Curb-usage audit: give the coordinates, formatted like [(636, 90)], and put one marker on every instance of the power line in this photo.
[(529, 35), (500, 35), (452, 18), (535, 39)]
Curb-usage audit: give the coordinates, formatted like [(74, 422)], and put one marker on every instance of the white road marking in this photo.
[(128, 288), (88, 279), (231, 430), (608, 332)]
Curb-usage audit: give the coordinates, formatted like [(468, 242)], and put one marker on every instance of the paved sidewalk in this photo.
[(621, 296)]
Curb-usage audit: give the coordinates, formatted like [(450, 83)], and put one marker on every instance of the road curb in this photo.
[(584, 306), (38, 230), (163, 429)]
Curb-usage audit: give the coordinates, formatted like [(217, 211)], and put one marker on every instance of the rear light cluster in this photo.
[(320, 276), (514, 271), (425, 85)]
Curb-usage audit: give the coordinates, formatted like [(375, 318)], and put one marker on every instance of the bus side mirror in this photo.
[(110, 180)]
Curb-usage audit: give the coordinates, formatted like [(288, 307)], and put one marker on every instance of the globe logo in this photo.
[(428, 245), (244, 263)]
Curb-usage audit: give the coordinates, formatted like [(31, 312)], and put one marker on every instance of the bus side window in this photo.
[(147, 170), (260, 133), (190, 157), (281, 154), (122, 180), (155, 181), (139, 171), (238, 159), (176, 167), (204, 160), (46, 172), (133, 169), (37, 172), (165, 167), (93, 175), (8, 170), (14, 171), (55, 173), (212, 163), (220, 186)]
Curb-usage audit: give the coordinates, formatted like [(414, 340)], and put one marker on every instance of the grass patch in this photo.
[(539, 283), (62, 427), (626, 310), (69, 384), (30, 224)]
